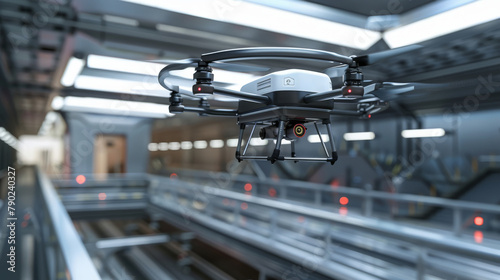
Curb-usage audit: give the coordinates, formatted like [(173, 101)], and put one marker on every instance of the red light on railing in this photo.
[(478, 221), (80, 179), (344, 200), (102, 196), (272, 192), (478, 236), (335, 183), (248, 187)]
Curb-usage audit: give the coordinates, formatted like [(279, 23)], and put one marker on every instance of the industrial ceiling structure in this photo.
[(39, 38)]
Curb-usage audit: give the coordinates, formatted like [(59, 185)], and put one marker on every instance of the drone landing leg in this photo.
[(332, 143), (276, 153), (321, 139), (240, 138)]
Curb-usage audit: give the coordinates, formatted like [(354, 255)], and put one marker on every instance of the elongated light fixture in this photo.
[(271, 19), (111, 106), (73, 69), (456, 19), (422, 133), (359, 136)]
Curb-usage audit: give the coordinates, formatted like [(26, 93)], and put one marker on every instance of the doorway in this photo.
[(110, 154)]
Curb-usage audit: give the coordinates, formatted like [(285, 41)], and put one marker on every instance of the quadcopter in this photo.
[(282, 102)]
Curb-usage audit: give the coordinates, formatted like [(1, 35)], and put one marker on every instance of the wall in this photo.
[(84, 127)]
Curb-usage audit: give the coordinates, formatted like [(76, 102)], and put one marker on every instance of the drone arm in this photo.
[(209, 111), (346, 113), (165, 74), (320, 96), (243, 95)]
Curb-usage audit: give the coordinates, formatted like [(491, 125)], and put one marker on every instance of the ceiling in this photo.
[(374, 7), (39, 37)]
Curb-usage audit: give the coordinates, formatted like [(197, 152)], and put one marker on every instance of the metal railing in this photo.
[(280, 227), (60, 251), (365, 200)]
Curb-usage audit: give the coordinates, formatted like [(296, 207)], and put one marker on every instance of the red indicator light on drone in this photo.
[(199, 89), (349, 90), (369, 116), (80, 179), (478, 221)]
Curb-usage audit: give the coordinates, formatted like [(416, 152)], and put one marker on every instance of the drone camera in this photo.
[(268, 132), (299, 130)]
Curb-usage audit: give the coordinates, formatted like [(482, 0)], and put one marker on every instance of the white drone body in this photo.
[(289, 80)]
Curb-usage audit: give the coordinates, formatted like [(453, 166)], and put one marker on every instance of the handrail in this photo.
[(177, 196), (413, 235), (437, 201), (76, 257)]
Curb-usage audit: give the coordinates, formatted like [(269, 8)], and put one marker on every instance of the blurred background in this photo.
[(146, 194)]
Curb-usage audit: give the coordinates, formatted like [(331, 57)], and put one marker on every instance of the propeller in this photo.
[(369, 59), (391, 91)]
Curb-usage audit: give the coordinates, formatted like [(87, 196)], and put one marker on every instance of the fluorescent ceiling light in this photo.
[(258, 142), (216, 143), (145, 68), (315, 138), (149, 87), (186, 145), (174, 146), (232, 142), (121, 20), (163, 146), (359, 136), (117, 107), (73, 69), (421, 133), (153, 147), (8, 138), (463, 17), (271, 19), (200, 144), (57, 103), (124, 65)]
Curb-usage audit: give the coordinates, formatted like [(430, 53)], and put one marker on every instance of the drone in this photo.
[(282, 102)]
